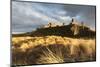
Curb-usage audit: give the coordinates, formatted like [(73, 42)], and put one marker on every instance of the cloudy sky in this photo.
[(27, 16)]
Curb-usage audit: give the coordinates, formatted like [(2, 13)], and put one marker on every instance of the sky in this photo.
[(27, 16)]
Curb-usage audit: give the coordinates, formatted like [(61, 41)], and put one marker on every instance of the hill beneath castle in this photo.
[(71, 30)]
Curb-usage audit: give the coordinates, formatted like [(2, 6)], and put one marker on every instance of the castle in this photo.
[(73, 22), (74, 26)]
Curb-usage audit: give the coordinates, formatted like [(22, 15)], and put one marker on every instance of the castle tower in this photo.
[(74, 22), (74, 26), (82, 24), (63, 24), (50, 24)]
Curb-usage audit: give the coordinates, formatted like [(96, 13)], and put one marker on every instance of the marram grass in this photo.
[(51, 49)]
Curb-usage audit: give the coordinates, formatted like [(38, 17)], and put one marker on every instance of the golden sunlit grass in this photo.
[(51, 49)]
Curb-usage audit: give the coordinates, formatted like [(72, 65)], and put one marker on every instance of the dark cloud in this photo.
[(82, 13)]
